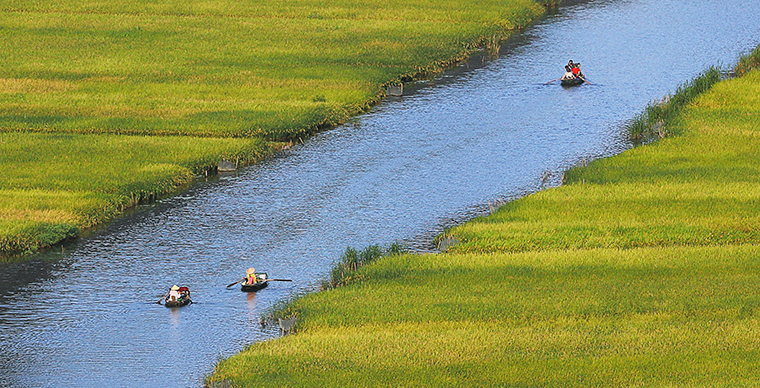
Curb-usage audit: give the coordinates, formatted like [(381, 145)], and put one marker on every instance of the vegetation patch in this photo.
[(748, 62), (659, 119), (347, 269)]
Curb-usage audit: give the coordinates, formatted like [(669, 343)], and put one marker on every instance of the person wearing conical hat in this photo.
[(250, 276), (174, 293)]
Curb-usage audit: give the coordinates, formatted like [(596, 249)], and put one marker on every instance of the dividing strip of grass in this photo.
[(642, 270), (200, 81), (56, 185)]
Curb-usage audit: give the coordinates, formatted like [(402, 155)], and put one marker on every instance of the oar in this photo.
[(584, 80), (279, 280), (230, 285), (553, 81), (162, 298)]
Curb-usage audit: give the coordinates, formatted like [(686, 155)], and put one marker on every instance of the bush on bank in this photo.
[(659, 118)]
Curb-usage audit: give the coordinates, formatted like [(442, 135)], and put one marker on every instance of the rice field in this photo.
[(602, 317), (225, 68), (642, 270), (105, 104)]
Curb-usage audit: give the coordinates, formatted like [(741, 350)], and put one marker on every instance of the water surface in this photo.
[(477, 135)]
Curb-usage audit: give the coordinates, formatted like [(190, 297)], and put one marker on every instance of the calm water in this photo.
[(85, 317)]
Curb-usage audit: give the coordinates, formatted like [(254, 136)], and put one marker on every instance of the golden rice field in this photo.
[(225, 68)]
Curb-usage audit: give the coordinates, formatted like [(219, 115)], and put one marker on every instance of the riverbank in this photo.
[(639, 270), (130, 102)]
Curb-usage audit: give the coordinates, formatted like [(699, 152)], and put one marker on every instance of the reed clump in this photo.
[(346, 271), (748, 63), (657, 120)]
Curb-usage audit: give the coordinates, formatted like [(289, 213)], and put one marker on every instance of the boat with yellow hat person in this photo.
[(177, 297), (254, 281)]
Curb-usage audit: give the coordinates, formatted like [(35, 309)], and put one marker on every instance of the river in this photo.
[(450, 148)]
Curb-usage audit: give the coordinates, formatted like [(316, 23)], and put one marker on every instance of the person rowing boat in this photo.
[(573, 75), (251, 277), (177, 297), (254, 281)]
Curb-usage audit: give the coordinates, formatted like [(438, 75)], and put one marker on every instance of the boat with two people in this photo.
[(177, 297), (573, 75)]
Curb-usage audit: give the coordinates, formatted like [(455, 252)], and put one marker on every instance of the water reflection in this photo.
[(414, 165)]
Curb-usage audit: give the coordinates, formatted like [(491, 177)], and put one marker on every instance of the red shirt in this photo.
[(576, 71)]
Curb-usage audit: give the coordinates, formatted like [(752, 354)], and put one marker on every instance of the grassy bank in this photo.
[(56, 185), (106, 103), (641, 270)]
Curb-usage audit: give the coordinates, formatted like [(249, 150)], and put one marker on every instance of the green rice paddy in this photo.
[(642, 270), (84, 84), (225, 68)]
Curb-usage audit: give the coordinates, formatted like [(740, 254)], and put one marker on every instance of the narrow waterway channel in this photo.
[(482, 133)]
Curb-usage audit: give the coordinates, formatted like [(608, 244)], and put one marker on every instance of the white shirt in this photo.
[(174, 295)]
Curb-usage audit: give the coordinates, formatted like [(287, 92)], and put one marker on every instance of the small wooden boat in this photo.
[(245, 287), (178, 303), (183, 300), (572, 81), (262, 281)]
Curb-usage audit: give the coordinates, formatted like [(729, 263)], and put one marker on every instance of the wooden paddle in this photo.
[(553, 81), (584, 80), (230, 285), (162, 298), (278, 280)]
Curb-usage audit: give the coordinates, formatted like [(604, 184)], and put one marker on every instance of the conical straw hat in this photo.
[(250, 271)]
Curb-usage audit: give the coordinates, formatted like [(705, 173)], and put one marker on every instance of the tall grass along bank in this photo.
[(659, 118), (84, 85), (641, 270)]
